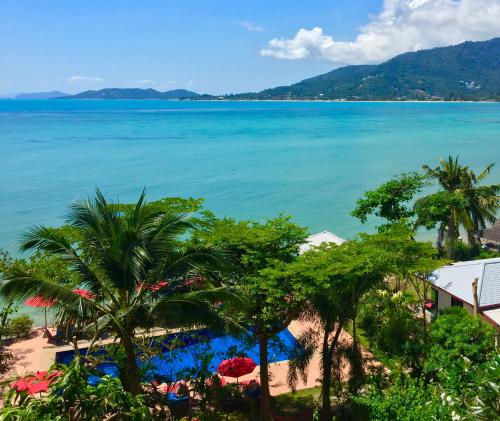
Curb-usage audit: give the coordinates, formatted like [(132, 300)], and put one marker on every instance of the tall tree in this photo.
[(118, 256), (332, 280), (468, 204), (391, 199), (259, 252), (482, 201)]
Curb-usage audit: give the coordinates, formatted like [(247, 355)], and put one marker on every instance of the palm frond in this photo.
[(302, 357)]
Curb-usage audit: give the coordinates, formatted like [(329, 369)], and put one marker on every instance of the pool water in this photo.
[(186, 354)]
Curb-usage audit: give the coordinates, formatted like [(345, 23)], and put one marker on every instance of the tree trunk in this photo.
[(451, 229), (131, 378), (439, 241), (326, 410), (265, 395), (328, 349)]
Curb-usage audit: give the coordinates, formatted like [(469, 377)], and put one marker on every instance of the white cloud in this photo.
[(250, 26), (402, 26), (145, 82), (84, 79)]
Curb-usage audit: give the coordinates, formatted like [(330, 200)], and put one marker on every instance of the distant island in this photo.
[(42, 95), (134, 93), (468, 71)]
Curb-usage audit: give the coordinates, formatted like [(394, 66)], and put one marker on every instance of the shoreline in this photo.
[(411, 101)]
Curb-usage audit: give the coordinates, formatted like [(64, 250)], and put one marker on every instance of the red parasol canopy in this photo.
[(154, 287), (39, 301), (39, 386), (236, 367), (35, 383), (45, 375), (85, 293)]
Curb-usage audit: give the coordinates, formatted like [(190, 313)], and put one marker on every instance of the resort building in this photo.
[(316, 240), (474, 285)]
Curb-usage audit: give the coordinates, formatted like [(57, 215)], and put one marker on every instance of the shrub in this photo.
[(391, 327), (20, 326), (456, 335), (407, 399)]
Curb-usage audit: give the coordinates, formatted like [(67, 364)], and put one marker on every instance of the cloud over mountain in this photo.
[(402, 26)]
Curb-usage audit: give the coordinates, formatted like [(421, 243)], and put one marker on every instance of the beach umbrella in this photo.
[(39, 386), (45, 375), (236, 367), (22, 383), (39, 301), (85, 293), (154, 287)]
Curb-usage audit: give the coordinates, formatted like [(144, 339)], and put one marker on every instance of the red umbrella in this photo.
[(85, 293), (154, 287), (236, 367), (45, 375), (39, 301), (22, 383), (39, 386)]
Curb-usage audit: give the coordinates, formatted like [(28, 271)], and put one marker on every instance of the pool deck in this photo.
[(35, 353)]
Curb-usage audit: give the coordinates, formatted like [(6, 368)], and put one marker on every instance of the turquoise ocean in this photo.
[(253, 160), (311, 160)]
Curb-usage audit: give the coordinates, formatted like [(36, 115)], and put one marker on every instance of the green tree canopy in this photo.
[(391, 199)]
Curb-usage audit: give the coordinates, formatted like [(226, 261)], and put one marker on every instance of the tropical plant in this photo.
[(391, 326), (482, 202), (71, 397), (332, 280), (120, 257), (469, 204), (454, 335), (20, 326), (258, 253), (406, 399), (390, 200)]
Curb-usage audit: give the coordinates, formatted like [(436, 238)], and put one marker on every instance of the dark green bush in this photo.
[(456, 335), (20, 326)]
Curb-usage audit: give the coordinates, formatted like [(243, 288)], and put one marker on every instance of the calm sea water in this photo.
[(247, 159)]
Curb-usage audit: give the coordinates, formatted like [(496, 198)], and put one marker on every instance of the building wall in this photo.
[(444, 300)]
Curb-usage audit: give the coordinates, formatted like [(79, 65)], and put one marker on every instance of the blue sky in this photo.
[(217, 46)]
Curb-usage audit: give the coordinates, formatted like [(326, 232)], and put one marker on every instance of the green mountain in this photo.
[(133, 93), (468, 71)]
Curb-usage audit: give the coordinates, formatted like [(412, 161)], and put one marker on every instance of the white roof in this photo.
[(320, 238), (457, 279), (493, 315)]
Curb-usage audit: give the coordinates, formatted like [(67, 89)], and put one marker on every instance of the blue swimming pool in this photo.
[(181, 355)]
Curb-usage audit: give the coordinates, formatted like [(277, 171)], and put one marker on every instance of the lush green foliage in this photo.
[(461, 372), (407, 399), (71, 397), (117, 255), (391, 327), (390, 200), (258, 253), (20, 325), (456, 334)]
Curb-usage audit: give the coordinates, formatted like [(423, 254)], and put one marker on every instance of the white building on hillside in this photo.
[(453, 286), (320, 238)]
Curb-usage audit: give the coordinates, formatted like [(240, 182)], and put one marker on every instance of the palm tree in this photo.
[(476, 204), (333, 280), (482, 202), (118, 257)]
